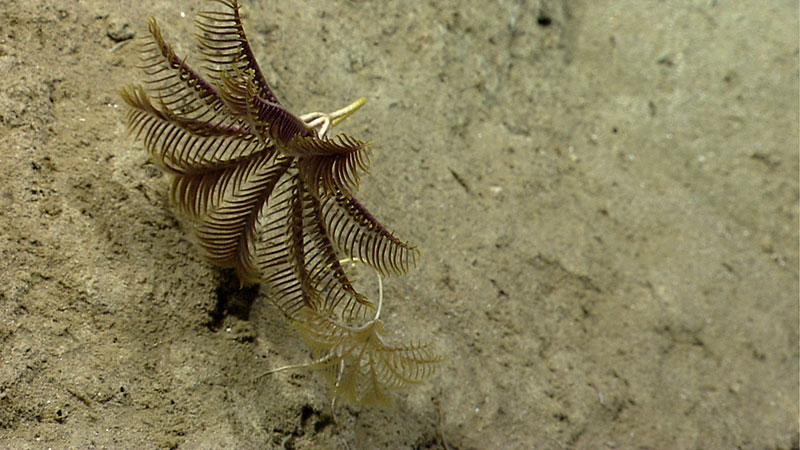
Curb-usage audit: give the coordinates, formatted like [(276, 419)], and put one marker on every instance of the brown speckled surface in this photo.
[(605, 195)]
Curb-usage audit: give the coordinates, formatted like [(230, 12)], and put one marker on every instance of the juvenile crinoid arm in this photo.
[(359, 366)]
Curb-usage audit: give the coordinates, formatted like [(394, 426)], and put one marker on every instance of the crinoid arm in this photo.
[(327, 164), (225, 47), (270, 121), (360, 235), (182, 118), (331, 164), (359, 366)]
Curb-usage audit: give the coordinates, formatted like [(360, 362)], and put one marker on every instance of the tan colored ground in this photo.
[(607, 207)]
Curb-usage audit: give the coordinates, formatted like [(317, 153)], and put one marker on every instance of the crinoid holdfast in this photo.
[(270, 194)]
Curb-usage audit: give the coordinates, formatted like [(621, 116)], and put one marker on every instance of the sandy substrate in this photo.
[(605, 195)]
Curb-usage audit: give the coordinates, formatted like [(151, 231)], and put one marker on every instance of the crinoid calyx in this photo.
[(270, 193)]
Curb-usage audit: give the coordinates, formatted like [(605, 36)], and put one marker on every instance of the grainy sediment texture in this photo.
[(605, 195)]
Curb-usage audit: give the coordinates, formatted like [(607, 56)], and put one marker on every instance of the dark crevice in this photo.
[(544, 20), (232, 299)]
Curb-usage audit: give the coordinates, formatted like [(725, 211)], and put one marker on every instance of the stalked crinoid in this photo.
[(271, 194)]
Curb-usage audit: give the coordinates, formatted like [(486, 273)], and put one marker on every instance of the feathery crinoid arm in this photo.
[(225, 47), (297, 260), (174, 83), (231, 64), (270, 121), (331, 164), (182, 146), (234, 200), (359, 235), (182, 117), (338, 297), (197, 191), (359, 366), (326, 164)]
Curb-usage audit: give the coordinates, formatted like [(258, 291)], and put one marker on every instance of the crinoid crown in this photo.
[(270, 194)]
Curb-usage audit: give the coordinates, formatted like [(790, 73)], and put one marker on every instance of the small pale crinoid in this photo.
[(270, 194)]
